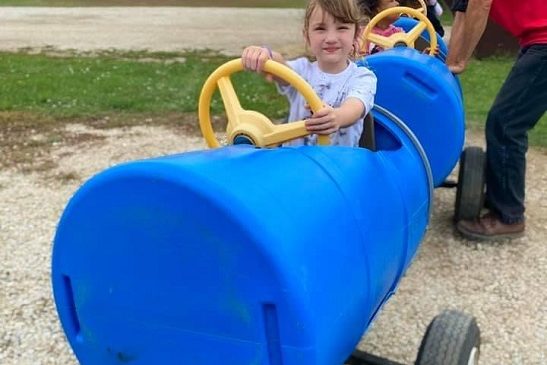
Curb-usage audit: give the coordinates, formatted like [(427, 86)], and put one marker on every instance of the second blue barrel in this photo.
[(423, 93)]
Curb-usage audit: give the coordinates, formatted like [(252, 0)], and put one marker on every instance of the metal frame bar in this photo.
[(364, 358)]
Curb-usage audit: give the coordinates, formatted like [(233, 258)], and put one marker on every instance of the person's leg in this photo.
[(436, 22), (519, 105)]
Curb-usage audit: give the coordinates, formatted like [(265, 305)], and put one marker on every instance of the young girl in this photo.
[(331, 31), (385, 27)]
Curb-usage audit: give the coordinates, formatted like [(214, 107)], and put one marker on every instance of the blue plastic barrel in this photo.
[(408, 23), (240, 255), (421, 91)]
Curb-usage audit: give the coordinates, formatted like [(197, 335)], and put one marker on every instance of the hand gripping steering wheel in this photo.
[(423, 7), (401, 39), (248, 126)]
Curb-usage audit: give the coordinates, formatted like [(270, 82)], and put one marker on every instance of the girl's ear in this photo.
[(359, 29), (357, 41), (305, 34)]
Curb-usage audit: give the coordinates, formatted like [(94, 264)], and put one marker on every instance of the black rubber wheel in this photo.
[(471, 184), (452, 338)]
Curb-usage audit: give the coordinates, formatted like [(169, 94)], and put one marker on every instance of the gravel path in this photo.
[(227, 30), (502, 284)]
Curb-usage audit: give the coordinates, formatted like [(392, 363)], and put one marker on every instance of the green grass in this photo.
[(71, 87), (481, 82), (446, 18), (224, 3), (164, 83)]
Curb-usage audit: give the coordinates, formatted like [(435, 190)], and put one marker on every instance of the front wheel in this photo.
[(452, 338)]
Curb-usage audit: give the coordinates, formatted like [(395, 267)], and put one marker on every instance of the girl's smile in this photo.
[(331, 49)]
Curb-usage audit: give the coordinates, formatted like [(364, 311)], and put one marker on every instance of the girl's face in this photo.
[(330, 41), (388, 4)]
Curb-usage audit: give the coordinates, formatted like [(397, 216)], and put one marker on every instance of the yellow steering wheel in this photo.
[(423, 7), (401, 39), (248, 126)]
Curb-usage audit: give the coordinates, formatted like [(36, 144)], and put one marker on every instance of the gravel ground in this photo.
[(502, 284)]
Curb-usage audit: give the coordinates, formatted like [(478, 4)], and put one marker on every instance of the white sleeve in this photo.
[(363, 87), (438, 9)]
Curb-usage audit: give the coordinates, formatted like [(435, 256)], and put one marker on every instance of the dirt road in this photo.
[(155, 29)]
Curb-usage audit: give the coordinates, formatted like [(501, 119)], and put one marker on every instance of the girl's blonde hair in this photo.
[(344, 11)]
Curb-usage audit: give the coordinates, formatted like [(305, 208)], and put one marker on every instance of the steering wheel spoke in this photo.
[(416, 32), (230, 100), (380, 40), (286, 132)]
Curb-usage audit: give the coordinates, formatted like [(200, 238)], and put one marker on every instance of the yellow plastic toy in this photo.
[(423, 7), (248, 126)]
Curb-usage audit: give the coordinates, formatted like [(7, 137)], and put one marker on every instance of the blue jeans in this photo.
[(519, 105)]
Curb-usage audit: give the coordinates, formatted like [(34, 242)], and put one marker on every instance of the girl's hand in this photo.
[(323, 121), (254, 58)]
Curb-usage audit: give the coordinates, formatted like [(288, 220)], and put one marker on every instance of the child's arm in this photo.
[(328, 120), (254, 58)]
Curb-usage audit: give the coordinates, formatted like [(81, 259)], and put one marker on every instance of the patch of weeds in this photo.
[(16, 145), (67, 177), (27, 139), (187, 123)]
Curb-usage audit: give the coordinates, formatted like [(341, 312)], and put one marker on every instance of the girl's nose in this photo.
[(331, 36)]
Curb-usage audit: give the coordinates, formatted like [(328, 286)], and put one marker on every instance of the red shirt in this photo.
[(525, 19)]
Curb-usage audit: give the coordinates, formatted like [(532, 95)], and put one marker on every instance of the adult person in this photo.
[(520, 103)]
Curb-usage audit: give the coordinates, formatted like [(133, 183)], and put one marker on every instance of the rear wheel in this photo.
[(471, 184), (452, 338)]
